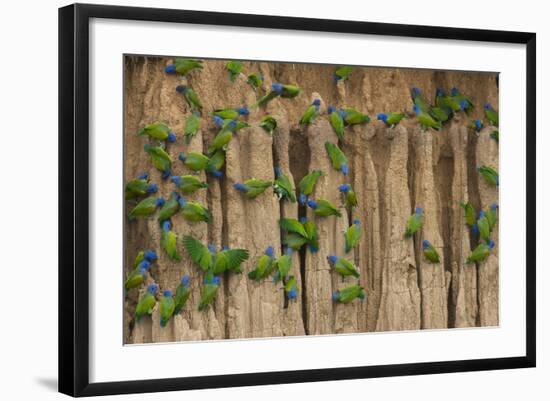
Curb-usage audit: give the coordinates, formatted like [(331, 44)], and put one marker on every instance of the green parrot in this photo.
[(231, 113), (216, 163), (193, 211), (494, 135), (426, 121), (392, 119), (353, 117), (183, 292), (414, 222), (438, 113), (491, 215), (194, 161), (222, 139), (350, 197), (291, 290), (293, 226), (337, 157), (342, 73), (483, 227), (159, 131), (147, 302), (138, 187), (295, 241), (476, 125), (209, 291), (343, 267), (283, 186), (481, 252), (188, 184), (148, 255), (348, 294), (183, 66), (307, 185), (283, 264), (199, 253), (137, 276), (336, 121), (268, 123), (489, 174), (469, 213), (464, 101), (264, 267), (192, 126), (170, 207), (190, 96), (208, 259), (169, 241), (234, 68), (278, 89), (324, 208), (491, 114), (430, 252), (300, 233), (167, 306), (311, 112), (252, 187), (255, 80), (312, 235), (146, 207), (352, 236), (447, 103), (160, 159)]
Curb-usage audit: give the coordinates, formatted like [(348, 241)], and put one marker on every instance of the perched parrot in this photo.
[(336, 121), (489, 174), (159, 131), (209, 291), (437, 113), (447, 103), (311, 112), (231, 114), (293, 226), (160, 159), (194, 211), (483, 227), (188, 184), (208, 259), (169, 241), (491, 215), (183, 66), (137, 276), (307, 185), (223, 137), (348, 294), (283, 265), (252, 187), (191, 97), (149, 255), (283, 186), (312, 235), (324, 208), (147, 302), (350, 197), (167, 306), (491, 114), (337, 157), (216, 163), (146, 207), (139, 187), (353, 117), (352, 235), (464, 101), (477, 125), (255, 80), (264, 266), (194, 161), (268, 123), (430, 252), (414, 222), (481, 252), (469, 213), (426, 121), (170, 207), (392, 119), (192, 125), (291, 290), (234, 68), (277, 89), (343, 267), (494, 135), (342, 73), (183, 292)]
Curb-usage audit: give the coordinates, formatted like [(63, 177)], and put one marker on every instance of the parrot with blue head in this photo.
[(169, 241), (216, 162), (489, 174), (491, 215), (159, 131), (192, 126), (149, 255), (324, 208), (255, 80), (437, 113), (264, 266), (430, 253), (283, 187), (194, 161), (342, 73), (283, 264), (234, 68), (447, 103), (312, 235), (222, 138), (231, 113), (183, 292), (252, 187), (291, 290), (170, 207), (146, 207), (209, 291), (167, 307), (183, 66), (353, 117), (190, 96), (278, 90), (426, 121), (311, 113), (137, 276), (268, 123), (481, 252), (188, 184), (349, 293), (139, 187), (483, 227), (414, 223), (352, 236), (336, 121), (146, 303), (193, 211), (350, 197), (392, 119), (307, 185), (160, 159), (477, 125), (337, 157), (342, 266), (464, 101), (491, 114)]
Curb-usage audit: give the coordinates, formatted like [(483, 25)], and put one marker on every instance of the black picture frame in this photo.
[(74, 199)]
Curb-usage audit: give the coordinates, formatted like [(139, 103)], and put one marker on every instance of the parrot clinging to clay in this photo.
[(190, 96), (483, 227), (209, 291), (159, 131), (283, 265), (231, 113), (192, 126), (307, 185), (343, 267), (348, 294), (193, 211), (491, 114), (169, 241), (311, 112), (139, 187), (489, 174), (170, 207), (160, 159), (350, 197), (278, 89), (147, 302), (469, 213), (167, 306), (234, 68), (430, 253), (146, 207), (481, 252), (464, 101), (324, 208), (299, 233), (291, 290), (342, 73), (491, 215), (252, 187), (137, 276), (264, 266), (188, 184), (268, 123), (414, 223), (255, 80), (183, 66), (194, 161), (336, 118), (352, 236), (182, 294), (353, 117), (337, 157), (426, 121), (391, 119), (283, 186)]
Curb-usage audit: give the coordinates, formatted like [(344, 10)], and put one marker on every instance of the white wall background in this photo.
[(28, 286)]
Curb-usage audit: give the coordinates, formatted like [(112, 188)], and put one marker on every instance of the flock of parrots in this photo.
[(300, 233)]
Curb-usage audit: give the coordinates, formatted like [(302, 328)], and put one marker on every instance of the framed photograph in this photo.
[(250, 199)]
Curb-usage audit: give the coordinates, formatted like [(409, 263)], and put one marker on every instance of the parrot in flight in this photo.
[(170, 207), (137, 276), (255, 81), (167, 306), (209, 291), (160, 159), (350, 197), (348, 294), (491, 215), (430, 252), (268, 123), (291, 290), (252, 187), (494, 135), (283, 186), (278, 89), (188, 184), (159, 131), (414, 222), (324, 208), (464, 101), (481, 252), (307, 185), (264, 266), (209, 260), (192, 126), (234, 68), (343, 267), (392, 119), (190, 96), (489, 174), (183, 292), (183, 66), (353, 117), (342, 73), (299, 233), (426, 121), (147, 302), (231, 114), (483, 227), (138, 187), (283, 265), (491, 114), (337, 157), (169, 241), (311, 112), (469, 213), (352, 236), (193, 211), (146, 207), (336, 118)]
